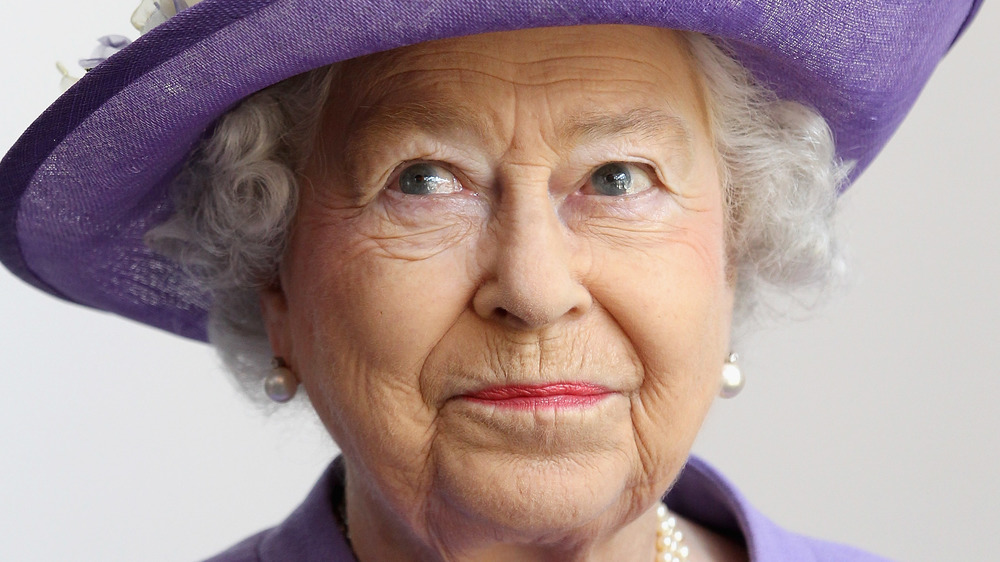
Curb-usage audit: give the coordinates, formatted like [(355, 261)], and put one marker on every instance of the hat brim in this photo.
[(85, 182)]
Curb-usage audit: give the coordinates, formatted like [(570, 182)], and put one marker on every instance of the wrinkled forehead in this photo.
[(573, 79)]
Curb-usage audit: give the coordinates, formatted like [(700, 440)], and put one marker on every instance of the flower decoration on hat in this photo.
[(148, 15), (152, 13), (106, 46)]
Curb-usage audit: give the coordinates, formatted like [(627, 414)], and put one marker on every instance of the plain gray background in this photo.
[(871, 423)]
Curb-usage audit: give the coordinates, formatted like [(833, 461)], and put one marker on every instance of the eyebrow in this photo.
[(455, 121), (644, 123), (432, 116)]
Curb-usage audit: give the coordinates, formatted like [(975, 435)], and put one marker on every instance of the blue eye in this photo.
[(425, 178), (619, 178)]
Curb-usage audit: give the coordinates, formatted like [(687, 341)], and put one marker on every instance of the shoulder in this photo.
[(310, 534), (704, 496), (246, 550), (829, 551), (786, 545)]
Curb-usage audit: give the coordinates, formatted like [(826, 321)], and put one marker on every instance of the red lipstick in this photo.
[(530, 397)]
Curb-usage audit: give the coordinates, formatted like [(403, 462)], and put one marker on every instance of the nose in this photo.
[(531, 277)]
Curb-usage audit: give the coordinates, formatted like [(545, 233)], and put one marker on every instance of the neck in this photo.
[(381, 534)]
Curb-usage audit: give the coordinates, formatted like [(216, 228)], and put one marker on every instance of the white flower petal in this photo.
[(141, 15), (67, 80)]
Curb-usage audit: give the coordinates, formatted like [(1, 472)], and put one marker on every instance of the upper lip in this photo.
[(509, 391)]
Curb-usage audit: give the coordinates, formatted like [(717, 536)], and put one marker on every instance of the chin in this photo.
[(537, 498)]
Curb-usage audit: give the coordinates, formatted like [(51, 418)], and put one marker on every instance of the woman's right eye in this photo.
[(425, 178)]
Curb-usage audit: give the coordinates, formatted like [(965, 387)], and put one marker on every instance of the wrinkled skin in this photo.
[(519, 269)]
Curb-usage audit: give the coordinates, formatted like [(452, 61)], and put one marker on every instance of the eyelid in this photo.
[(386, 158)]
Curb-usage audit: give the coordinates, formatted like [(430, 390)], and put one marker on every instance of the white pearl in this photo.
[(668, 539), (280, 385), (732, 379)]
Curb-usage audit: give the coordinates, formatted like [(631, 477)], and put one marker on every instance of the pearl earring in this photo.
[(732, 377), (280, 385)]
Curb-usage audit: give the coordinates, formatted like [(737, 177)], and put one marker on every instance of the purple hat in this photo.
[(85, 182)]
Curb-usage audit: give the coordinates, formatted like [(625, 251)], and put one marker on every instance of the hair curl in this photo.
[(236, 197)]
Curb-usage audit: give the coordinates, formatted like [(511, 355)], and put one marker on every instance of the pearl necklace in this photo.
[(669, 541)]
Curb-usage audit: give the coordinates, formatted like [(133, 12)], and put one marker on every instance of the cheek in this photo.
[(387, 312), (672, 301), (367, 308), (671, 296), (365, 319)]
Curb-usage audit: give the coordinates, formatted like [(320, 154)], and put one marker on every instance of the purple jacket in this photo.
[(312, 534)]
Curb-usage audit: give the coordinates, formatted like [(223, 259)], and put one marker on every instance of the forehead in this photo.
[(571, 80)]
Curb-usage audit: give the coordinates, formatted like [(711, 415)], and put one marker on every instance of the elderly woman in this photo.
[(502, 259)]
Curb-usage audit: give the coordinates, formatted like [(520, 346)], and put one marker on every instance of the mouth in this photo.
[(533, 397)]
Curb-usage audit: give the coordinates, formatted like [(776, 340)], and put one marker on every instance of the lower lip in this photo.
[(558, 395)]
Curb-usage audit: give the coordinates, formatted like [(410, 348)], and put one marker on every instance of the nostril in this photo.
[(513, 317)]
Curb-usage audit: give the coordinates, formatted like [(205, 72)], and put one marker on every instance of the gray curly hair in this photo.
[(236, 197)]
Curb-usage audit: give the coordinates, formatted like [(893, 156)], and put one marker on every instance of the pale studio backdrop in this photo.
[(873, 423)]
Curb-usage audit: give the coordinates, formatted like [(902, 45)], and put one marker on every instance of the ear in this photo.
[(274, 309)]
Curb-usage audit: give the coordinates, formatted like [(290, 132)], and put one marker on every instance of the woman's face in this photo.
[(506, 289)]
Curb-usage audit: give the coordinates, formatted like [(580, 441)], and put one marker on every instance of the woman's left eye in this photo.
[(618, 178), (424, 178)]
